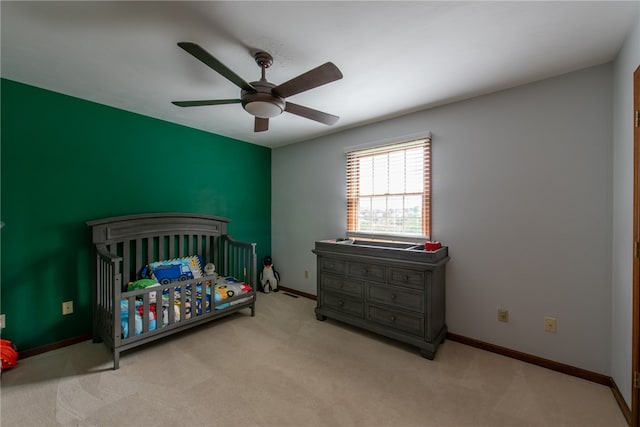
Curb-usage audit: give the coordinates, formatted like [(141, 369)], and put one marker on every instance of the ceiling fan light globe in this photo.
[(263, 109)]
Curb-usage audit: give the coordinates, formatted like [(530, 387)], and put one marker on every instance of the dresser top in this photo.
[(383, 249)]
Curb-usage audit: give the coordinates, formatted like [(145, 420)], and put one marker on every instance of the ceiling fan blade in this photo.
[(205, 57), (205, 102), (319, 76), (261, 124), (310, 113)]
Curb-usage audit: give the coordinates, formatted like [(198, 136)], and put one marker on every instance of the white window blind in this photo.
[(388, 190)]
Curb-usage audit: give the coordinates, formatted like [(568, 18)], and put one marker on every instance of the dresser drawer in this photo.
[(403, 298), (332, 265), (401, 321), (408, 278), (366, 271), (343, 304), (338, 284)]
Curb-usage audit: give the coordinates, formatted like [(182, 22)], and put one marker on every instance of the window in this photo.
[(388, 191)]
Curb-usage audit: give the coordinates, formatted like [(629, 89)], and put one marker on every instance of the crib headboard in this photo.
[(109, 230), (141, 239)]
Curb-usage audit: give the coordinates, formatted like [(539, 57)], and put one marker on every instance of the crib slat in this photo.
[(155, 252), (183, 306), (215, 254), (146, 312), (203, 298), (149, 250), (161, 254), (106, 303), (115, 288), (181, 251), (100, 291), (207, 250), (235, 262), (194, 301), (131, 306), (247, 264), (126, 260), (138, 251), (110, 289), (171, 309), (107, 286), (96, 295)]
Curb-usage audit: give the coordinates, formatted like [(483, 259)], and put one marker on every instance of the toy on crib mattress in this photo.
[(143, 284), (269, 277), (210, 269)]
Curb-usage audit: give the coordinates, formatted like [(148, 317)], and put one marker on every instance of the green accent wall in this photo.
[(66, 161)]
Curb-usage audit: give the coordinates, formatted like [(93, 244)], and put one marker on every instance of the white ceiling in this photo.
[(396, 57)]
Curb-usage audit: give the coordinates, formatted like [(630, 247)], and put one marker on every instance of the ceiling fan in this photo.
[(261, 98)]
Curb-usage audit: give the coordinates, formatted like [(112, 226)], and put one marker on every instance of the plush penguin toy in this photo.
[(269, 277)]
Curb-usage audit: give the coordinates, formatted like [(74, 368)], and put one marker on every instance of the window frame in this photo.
[(353, 188)]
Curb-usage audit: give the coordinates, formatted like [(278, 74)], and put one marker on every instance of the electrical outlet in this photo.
[(2, 321), (67, 307), (503, 315), (550, 324), (306, 274)]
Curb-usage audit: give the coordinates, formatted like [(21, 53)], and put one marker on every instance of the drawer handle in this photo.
[(393, 296), (341, 303), (393, 318), (365, 271), (405, 278)]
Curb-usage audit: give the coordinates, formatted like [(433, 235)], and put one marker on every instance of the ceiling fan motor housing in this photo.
[(262, 103)]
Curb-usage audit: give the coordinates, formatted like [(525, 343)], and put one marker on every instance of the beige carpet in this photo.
[(285, 368)]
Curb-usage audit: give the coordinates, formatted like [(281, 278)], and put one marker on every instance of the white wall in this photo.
[(521, 195), (622, 292)]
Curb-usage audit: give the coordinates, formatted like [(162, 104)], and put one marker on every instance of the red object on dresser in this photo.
[(432, 246)]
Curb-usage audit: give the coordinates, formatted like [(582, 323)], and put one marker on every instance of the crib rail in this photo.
[(163, 307), (105, 294), (239, 260)]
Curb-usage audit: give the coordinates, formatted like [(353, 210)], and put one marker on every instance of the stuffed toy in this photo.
[(209, 269), (269, 277)]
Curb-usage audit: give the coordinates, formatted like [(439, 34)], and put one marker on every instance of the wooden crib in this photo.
[(124, 245)]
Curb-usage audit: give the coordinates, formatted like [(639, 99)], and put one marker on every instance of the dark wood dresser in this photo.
[(396, 290)]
